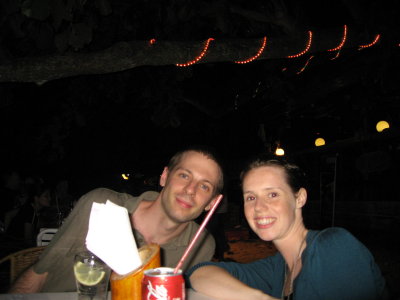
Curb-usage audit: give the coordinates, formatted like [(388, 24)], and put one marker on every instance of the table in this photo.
[(190, 295)]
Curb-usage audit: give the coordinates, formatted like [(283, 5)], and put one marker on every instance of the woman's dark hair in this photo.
[(295, 177)]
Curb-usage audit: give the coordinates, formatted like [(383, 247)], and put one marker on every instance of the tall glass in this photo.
[(129, 286), (91, 276)]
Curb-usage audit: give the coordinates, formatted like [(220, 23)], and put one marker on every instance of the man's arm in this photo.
[(219, 284), (28, 282)]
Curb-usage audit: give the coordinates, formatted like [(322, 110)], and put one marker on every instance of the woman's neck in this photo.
[(293, 246), (292, 251)]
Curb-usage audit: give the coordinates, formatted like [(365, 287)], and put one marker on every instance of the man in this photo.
[(191, 183)]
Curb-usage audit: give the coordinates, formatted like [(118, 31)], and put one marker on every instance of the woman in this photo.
[(309, 265)]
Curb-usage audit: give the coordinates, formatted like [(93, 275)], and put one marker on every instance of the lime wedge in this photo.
[(88, 275)]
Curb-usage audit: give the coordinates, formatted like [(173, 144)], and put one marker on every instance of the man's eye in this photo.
[(272, 195), (205, 187), (183, 175)]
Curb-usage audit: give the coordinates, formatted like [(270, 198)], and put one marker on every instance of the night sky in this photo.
[(91, 128)]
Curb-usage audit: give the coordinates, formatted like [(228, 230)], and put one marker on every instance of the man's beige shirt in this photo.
[(58, 257)]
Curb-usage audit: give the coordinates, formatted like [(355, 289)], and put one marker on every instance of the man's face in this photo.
[(189, 187)]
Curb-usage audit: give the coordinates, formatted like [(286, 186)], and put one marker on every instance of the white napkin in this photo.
[(110, 237)]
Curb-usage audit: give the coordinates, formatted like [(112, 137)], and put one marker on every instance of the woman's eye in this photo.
[(250, 198)]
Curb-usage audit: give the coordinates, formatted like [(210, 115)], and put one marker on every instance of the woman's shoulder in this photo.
[(331, 232), (334, 239), (341, 265)]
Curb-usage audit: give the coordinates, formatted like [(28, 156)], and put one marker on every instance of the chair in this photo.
[(45, 236), (21, 260)]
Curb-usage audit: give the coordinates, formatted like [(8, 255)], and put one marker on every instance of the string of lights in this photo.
[(255, 56), (378, 36), (308, 46), (261, 50), (192, 62), (340, 46), (305, 65)]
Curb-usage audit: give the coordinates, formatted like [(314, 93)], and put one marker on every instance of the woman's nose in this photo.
[(259, 205)]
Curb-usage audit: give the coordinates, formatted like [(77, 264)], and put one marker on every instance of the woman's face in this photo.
[(269, 203)]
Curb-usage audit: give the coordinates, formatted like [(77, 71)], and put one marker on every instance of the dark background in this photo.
[(89, 128)]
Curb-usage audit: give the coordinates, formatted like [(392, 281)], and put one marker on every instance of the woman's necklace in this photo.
[(289, 278)]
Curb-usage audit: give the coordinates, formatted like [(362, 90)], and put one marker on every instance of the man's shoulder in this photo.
[(148, 196), (102, 191), (101, 195)]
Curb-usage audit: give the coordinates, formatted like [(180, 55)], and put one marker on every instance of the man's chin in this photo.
[(183, 218)]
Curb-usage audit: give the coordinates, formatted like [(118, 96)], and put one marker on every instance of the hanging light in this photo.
[(279, 151), (319, 142), (125, 176), (381, 126)]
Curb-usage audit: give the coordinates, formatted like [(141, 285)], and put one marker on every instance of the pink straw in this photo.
[(196, 236)]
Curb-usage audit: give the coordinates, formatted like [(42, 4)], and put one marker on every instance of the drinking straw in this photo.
[(196, 236)]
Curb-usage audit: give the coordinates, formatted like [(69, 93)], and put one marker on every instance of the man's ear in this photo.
[(164, 176), (212, 202), (301, 198)]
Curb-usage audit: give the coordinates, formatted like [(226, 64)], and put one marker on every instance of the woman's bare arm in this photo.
[(219, 284)]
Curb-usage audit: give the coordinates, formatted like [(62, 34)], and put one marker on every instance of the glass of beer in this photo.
[(91, 276)]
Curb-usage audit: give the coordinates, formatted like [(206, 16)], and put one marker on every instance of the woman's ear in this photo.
[(301, 198), (164, 176)]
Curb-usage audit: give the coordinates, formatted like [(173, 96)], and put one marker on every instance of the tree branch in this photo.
[(127, 55)]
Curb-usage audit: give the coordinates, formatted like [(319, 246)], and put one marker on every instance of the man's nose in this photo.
[(190, 188)]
